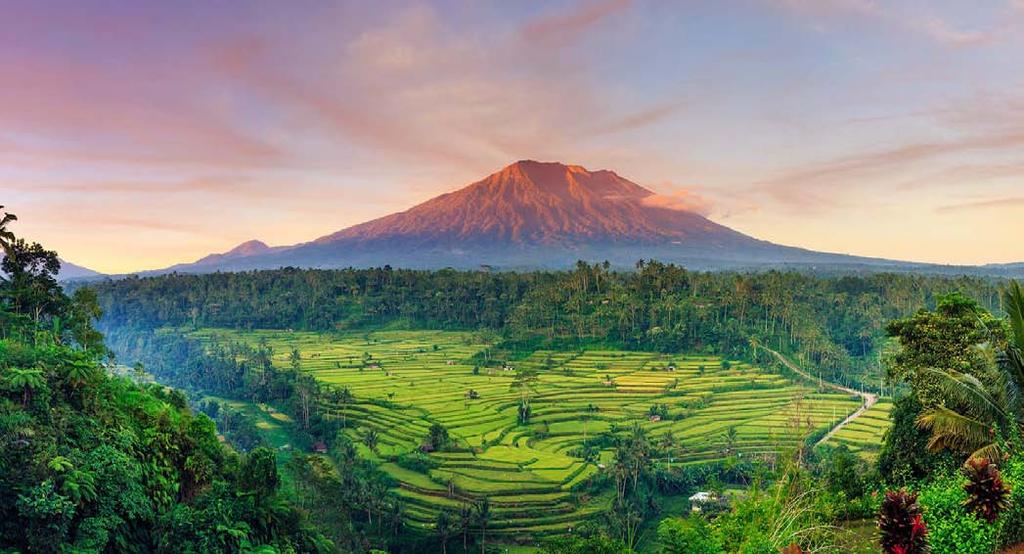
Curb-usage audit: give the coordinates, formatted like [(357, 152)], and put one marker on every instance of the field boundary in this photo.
[(868, 399)]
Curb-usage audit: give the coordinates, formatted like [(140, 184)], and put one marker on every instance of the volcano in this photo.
[(532, 215)]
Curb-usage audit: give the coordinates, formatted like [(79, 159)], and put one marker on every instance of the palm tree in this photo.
[(371, 438), (395, 515), (465, 520), (483, 518), (754, 345), (28, 380), (979, 405), (443, 528), (730, 440), (6, 235), (525, 381)]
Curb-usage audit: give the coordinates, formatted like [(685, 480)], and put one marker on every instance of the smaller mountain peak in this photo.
[(248, 248)]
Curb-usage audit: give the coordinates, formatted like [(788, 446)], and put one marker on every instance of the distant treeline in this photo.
[(834, 323)]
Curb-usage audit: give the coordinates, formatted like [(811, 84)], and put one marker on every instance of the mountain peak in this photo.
[(544, 172), (248, 248), (528, 214), (530, 202)]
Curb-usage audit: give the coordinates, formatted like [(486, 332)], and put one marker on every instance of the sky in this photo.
[(135, 135)]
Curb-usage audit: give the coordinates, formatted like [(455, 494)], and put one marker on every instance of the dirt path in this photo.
[(869, 399)]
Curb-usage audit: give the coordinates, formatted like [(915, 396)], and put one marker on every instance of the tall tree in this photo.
[(980, 403), (483, 519), (7, 237), (26, 381)]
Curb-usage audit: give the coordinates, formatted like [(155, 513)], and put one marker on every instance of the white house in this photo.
[(698, 500)]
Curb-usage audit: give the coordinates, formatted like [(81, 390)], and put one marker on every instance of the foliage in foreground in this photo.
[(965, 373), (901, 524), (95, 463)]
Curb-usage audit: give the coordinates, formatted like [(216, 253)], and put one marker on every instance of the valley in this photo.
[(701, 410), (520, 411)]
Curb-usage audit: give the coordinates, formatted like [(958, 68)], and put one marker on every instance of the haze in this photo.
[(139, 135)]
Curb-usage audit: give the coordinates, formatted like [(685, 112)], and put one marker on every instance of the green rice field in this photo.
[(864, 434), (405, 381)]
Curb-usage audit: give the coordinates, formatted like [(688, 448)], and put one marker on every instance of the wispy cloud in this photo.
[(564, 26), (413, 88), (63, 106), (945, 33), (986, 205), (901, 19), (638, 119), (983, 129), (680, 200)]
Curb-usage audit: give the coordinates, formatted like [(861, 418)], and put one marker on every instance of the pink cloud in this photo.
[(95, 112), (638, 119), (986, 205), (680, 199), (563, 27), (981, 128), (910, 21)]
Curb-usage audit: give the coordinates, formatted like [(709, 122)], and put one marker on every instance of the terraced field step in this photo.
[(404, 381)]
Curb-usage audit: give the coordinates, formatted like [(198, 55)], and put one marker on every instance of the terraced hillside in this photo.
[(403, 382), (864, 434)]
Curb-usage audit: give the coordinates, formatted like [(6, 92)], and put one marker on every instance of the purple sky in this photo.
[(138, 134)]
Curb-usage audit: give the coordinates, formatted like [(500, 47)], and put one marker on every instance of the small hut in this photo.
[(700, 499)]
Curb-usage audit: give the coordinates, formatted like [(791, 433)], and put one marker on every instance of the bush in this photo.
[(687, 536), (987, 494), (1012, 520), (951, 528), (900, 521), (417, 461), (584, 545)]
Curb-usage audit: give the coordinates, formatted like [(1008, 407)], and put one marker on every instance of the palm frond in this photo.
[(966, 390), (1013, 303), (989, 452), (955, 431)]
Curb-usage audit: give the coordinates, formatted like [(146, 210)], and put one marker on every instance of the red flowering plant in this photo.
[(987, 495), (901, 524)]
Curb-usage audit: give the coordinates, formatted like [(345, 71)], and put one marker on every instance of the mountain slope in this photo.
[(248, 250), (540, 203), (73, 272), (537, 215)]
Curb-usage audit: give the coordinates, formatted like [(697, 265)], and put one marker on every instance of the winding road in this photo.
[(869, 399)]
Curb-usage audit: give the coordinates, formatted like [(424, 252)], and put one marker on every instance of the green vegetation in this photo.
[(865, 434), (955, 437), (835, 325), (95, 463), (405, 387), (570, 412)]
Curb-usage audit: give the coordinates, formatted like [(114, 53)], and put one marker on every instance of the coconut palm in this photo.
[(465, 520), (443, 527), (371, 438), (483, 519), (6, 235), (977, 407)]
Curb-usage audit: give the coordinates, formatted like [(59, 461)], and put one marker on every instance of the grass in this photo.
[(273, 425), (864, 434), (405, 381)]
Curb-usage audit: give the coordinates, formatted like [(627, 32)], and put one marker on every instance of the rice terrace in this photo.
[(564, 277), (533, 470)]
